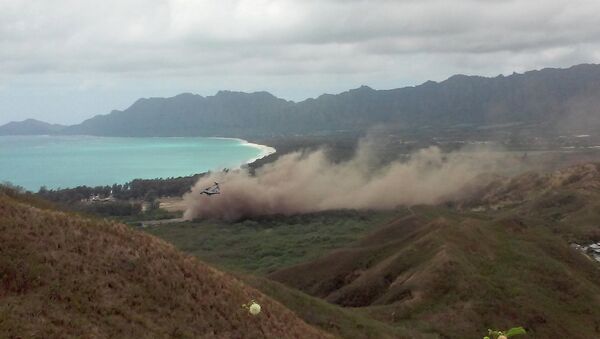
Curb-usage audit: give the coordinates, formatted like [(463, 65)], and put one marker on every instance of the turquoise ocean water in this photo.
[(69, 161)]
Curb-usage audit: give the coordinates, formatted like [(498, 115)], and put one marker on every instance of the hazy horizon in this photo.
[(62, 62)]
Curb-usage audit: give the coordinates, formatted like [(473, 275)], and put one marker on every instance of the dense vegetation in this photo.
[(138, 189), (500, 259), (270, 243)]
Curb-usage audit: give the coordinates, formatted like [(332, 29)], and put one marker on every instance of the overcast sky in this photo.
[(63, 61)]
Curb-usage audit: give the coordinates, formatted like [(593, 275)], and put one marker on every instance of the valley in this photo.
[(394, 230), (299, 169), (449, 271)]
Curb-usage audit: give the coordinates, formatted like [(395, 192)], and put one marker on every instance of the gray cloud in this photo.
[(293, 48)]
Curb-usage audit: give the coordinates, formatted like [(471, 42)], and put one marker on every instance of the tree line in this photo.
[(137, 189)]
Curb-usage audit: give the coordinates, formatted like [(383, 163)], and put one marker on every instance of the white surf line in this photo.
[(264, 150)]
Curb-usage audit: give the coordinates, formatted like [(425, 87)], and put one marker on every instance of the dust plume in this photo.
[(303, 182)]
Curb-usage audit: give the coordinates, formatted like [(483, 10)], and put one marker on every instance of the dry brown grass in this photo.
[(65, 276)]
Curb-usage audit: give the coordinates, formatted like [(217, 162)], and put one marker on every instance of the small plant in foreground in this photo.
[(252, 307), (495, 334)]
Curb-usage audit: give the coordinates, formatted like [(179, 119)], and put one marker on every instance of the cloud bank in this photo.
[(103, 55), (304, 182)]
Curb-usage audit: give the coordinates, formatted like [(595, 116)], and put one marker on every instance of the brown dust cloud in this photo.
[(302, 182)]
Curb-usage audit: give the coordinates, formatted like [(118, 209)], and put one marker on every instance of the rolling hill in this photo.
[(64, 276), (30, 127), (458, 276), (497, 258), (460, 271)]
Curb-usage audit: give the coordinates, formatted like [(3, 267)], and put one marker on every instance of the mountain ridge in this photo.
[(30, 126), (558, 99)]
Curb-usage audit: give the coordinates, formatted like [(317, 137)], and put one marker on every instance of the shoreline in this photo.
[(265, 151)]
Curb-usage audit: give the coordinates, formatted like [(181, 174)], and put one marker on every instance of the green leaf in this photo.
[(515, 331)]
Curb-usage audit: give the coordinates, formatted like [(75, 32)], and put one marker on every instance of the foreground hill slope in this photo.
[(461, 272), (66, 276)]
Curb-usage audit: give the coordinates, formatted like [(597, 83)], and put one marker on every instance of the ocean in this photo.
[(70, 161)]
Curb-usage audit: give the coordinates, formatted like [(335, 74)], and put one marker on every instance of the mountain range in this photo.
[(558, 99)]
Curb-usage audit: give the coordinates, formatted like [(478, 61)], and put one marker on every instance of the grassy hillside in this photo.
[(64, 276), (502, 259), (568, 199), (269, 243), (499, 259), (459, 275), (263, 245), (344, 322)]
